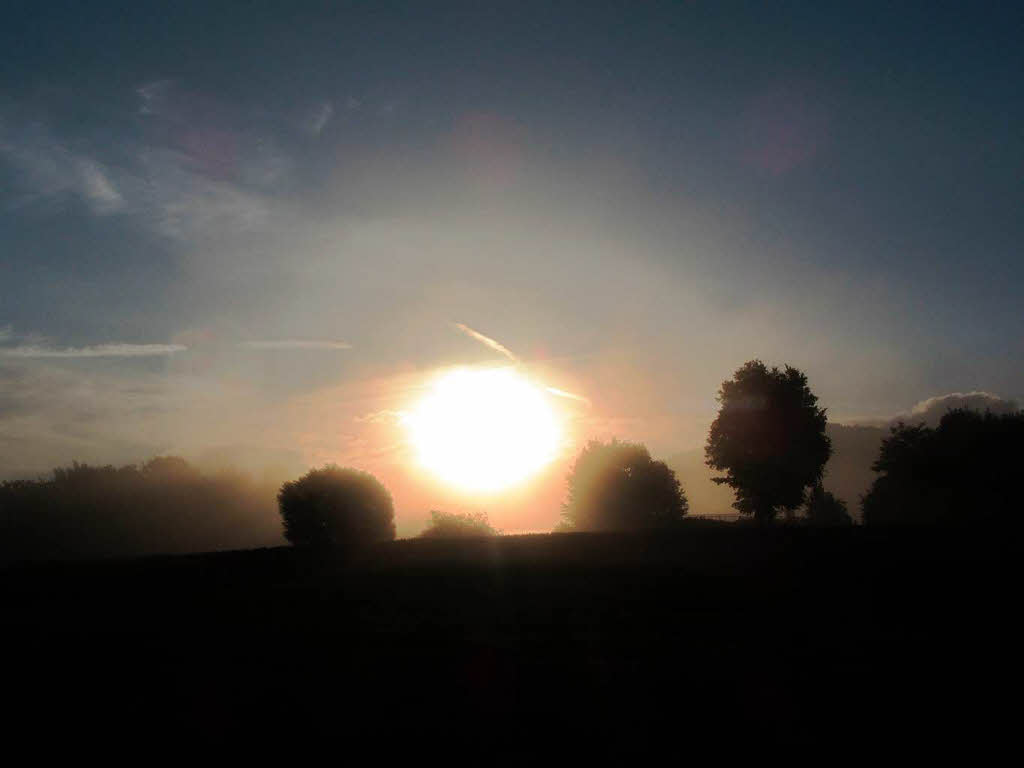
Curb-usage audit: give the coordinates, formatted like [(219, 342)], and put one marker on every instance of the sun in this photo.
[(484, 430)]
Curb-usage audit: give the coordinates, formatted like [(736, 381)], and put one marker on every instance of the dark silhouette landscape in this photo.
[(638, 624), (511, 381), (720, 637)]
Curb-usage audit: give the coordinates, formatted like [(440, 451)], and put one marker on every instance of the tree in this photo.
[(452, 525), (166, 505), (617, 486), (963, 472), (336, 508), (822, 508), (168, 468), (769, 438)]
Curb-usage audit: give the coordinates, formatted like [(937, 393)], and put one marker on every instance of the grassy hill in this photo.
[(717, 634)]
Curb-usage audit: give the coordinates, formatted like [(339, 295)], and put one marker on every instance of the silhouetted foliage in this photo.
[(822, 508), (336, 508), (962, 472), (769, 438), (618, 486), (453, 525), (165, 506)]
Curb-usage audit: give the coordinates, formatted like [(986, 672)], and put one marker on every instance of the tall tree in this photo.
[(618, 486), (769, 439)]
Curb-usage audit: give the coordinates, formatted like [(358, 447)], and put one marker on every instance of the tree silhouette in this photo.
[(962, 472), (822, 508), (166, 505), (617, 486), (336, 508), (452, 525), (769, 438)]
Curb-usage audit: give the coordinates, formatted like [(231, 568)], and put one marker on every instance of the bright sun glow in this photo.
[(484, 430)]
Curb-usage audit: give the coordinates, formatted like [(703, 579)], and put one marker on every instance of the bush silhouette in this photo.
[(336, 508), (166, 505), (822, 508), (451, 525), (617, 486), (769, 438), (962, 472)]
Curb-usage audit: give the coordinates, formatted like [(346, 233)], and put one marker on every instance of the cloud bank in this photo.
[(931, 410)]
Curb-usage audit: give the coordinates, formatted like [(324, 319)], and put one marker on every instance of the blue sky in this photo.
[(219, 214)]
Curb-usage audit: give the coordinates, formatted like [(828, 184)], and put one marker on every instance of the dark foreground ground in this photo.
[(720, 636)]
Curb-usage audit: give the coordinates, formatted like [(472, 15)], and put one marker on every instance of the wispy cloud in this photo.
[(186, 205), (487, 341), (153, 96), (48, 169), (319, 119), (296, 344), (497, 346), (97, 188), (188, 176), (568, 395), (97, 350), (384, 416)]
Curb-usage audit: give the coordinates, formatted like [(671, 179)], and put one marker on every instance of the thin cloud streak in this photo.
[(295, 344), (568, 395), (502, 349), (97, 350), (487, 341)]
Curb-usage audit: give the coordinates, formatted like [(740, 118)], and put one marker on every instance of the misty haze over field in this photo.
[(494, 379), (251, 238)]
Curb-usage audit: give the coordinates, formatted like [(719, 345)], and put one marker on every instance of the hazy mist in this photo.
[(255, 256)]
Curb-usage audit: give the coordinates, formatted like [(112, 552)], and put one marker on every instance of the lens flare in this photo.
[(484, 430)]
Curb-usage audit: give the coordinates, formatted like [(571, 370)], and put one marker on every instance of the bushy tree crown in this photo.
[(336, 508), (618, 486), (769, 439)]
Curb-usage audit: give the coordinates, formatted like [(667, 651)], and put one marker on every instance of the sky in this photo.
[(247, 232)]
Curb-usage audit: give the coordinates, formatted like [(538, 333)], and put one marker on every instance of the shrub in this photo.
[(618, 486), (452, 525), (336, 508)]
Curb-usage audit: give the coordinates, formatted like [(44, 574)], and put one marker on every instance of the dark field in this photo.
[(718, 635)]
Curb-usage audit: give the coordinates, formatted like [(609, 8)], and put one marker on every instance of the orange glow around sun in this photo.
[(484, 430)]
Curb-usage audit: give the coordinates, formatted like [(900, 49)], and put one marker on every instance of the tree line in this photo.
[(769, 442), (165, 505)]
